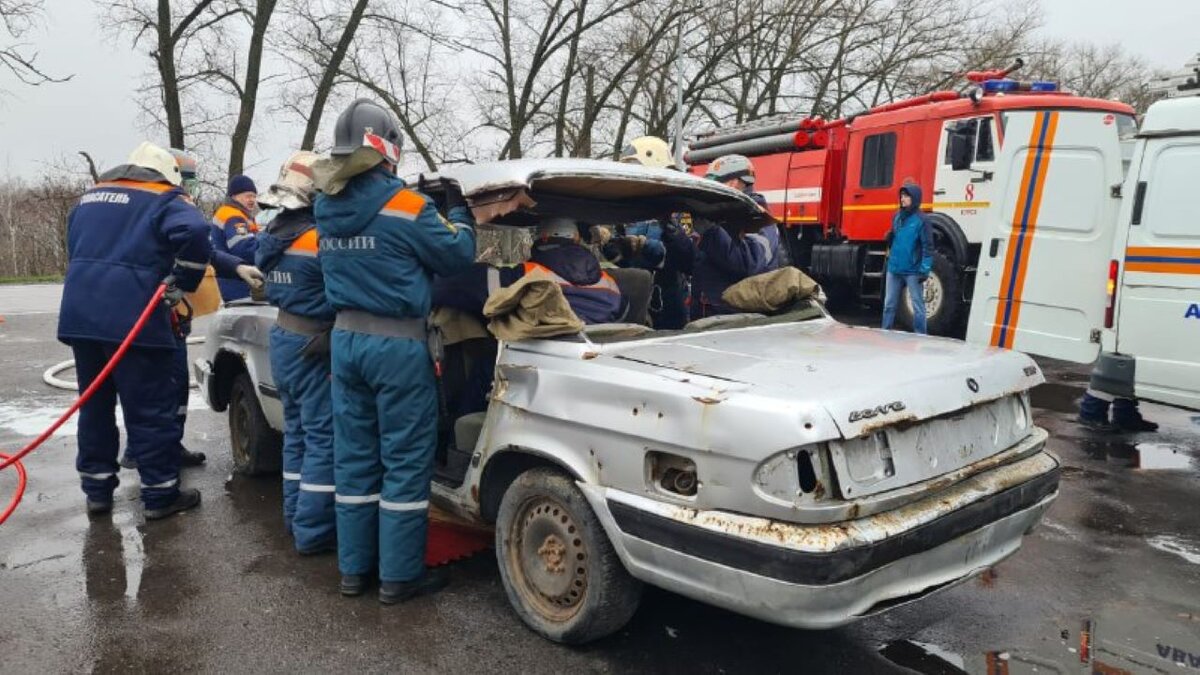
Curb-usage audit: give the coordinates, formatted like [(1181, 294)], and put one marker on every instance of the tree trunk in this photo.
[(241, 131), (325, 86), (165, 60)]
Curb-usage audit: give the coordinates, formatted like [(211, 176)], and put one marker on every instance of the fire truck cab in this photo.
[(833, 184)]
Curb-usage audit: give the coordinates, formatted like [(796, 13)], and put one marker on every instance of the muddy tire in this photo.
[(944, 302), (561, 574), (257, 448)]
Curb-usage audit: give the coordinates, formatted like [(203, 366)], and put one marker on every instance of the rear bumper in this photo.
[(820, 576)]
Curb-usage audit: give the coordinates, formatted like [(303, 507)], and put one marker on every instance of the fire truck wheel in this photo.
[(943, 299)]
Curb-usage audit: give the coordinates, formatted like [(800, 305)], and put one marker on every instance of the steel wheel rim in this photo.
[(239, 431), (548, 558), (933, 293)]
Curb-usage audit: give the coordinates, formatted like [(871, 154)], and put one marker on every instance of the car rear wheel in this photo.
[(257, 448), (561, 574)]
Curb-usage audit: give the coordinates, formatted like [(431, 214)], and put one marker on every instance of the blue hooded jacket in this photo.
[(592, 294), (123, 237), (912, 238), (234, 233), (287, 256), (381, 244)]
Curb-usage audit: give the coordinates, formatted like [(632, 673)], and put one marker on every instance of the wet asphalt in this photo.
[(219, 589)]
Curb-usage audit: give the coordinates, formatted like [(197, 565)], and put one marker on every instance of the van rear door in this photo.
[(1158, 299), (1043, 268)]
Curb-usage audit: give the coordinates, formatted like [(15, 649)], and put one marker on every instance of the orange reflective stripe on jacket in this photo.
[(606, 283), (225, 213), (404, 204), (144, 186), (305, 245)]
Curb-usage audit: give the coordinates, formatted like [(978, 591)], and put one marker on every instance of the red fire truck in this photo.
[(833, 184)]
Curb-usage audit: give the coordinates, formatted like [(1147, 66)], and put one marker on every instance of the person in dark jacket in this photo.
[(910, 258), (381, 244), (227, 267), (726, 256), (557, 252), (299, 350), (235, 232), (127, 234)]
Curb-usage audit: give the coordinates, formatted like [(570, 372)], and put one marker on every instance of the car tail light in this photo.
[(1110, 308)]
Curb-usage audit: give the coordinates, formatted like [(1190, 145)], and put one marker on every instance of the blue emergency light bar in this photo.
[(1006, 85)]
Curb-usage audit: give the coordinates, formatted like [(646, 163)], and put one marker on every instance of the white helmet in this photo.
[(729, 167), (558, 227), (294, 189), (650, 151), (150, 156)]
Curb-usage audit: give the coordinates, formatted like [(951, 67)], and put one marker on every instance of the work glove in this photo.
[(601, 235), (173, 295), (636, 242), (454, 195), (251, 275)]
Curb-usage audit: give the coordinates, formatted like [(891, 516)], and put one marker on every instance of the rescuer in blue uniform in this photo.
[(380, 245), (726, 257), (236, 232), (227, 267), (125, 236), (299, 347)]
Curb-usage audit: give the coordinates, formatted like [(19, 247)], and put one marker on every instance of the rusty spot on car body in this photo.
[(588, 356), (899, 423), (707, 400), (475, 493)]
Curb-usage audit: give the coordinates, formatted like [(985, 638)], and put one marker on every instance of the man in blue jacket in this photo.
[(299, 347), (380, 246), (125, 236), (910, 258), (236, 232)]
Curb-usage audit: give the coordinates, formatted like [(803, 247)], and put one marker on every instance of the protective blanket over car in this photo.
[(533, 307), (456, 325), (771, 291)]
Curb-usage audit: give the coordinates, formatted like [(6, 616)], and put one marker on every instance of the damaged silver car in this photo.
[(785, 466)]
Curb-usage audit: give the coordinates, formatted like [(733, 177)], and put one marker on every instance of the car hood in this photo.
[(864, 378)]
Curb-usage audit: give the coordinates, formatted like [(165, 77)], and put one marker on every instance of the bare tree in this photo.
[(16, 18), (248, 92), (328, 58)]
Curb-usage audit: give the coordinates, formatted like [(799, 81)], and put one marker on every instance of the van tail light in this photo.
[(1111, 307)]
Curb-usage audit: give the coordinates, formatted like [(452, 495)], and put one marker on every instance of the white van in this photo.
[(1094, 255)]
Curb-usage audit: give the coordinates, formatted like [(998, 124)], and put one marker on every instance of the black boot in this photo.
[(190, 458), (188, 497), (1103, 426), (1135, 424), (392, 592), (354, 585), (98, 508)]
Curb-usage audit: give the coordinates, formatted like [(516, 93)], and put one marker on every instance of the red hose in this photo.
[(83, 398)]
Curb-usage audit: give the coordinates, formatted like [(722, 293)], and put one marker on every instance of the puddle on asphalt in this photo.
[(923, 658), (1144, 456), (1056, 396)]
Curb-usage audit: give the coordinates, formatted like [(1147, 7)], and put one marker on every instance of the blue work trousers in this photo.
[(308, 487), (385, 431), (896, 283), (145, 383)]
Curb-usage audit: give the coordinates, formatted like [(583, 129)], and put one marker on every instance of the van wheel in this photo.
[(561, 574), (943, 299), (257, 448)]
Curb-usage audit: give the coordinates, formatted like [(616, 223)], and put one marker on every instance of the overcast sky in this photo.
[(96, 109)]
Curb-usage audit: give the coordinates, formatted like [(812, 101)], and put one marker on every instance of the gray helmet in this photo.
[(365, 123)]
